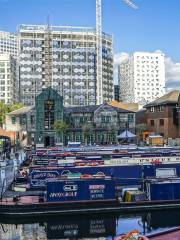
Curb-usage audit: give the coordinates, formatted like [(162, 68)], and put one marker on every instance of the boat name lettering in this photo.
[(64, 227), (94, 187), (98, 195), (97, 191), (42, 175), (63, 194)]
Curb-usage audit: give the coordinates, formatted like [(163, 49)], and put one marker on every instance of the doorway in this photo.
[(49, 141)]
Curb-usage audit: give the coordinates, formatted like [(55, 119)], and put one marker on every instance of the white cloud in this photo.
[(172, 70), (119, 57), (172, 74)]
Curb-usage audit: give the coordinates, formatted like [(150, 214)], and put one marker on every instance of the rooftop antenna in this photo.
[(99, 82)]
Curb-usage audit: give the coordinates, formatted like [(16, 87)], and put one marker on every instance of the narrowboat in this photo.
[(91, 195)]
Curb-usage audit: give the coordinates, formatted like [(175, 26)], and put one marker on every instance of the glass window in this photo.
[(22, 119), (152, 122), (13, 119), (2, 70), (151, 109), (2, 64), (161, 108), (130, 118), (106, 119), (161, 122), (49, 115)]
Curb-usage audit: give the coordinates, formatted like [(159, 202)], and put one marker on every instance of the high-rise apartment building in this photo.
[(64, 58), (142, 77), (8, 43), (7, 79), (8, 67)]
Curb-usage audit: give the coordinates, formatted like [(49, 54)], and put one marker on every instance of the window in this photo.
[(105, 119), (49, 115), (13, 119), (161, 122), (81, 120), (2, 70), (23, 120), (161, 108), (130, 118), (151, 109), (2, 64), (152, 122)]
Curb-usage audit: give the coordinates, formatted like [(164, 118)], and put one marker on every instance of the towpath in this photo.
[(8, 170)]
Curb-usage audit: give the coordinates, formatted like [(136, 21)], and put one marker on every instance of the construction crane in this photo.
[(99, 80)]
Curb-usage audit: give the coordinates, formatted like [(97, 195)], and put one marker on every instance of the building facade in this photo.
[(65, 59), (8, 79), (142, 77), (162, 115), (8, 43), (9, 88), (87, 124)]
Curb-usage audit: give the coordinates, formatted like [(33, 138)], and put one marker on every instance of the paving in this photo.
[(8, 172)]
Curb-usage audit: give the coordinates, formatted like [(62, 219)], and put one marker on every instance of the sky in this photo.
[(154, 26)]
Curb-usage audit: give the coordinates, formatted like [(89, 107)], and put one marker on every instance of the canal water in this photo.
[(92, 227)]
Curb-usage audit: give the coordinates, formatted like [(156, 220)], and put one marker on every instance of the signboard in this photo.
[(80, 190), (39, 145), (124, 173), (38, 178)]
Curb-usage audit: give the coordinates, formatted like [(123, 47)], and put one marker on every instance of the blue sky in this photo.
[(155, 26)]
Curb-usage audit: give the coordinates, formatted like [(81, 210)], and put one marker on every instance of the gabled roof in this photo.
[(81, 109), (127, 106), (93, 108), (68, 110), (169, 98), (21, 111)]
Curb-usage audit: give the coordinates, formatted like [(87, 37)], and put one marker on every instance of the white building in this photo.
[(8, 43), (7, 79), (142, 77), (9, 50)]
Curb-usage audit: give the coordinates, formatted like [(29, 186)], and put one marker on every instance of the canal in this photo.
[(91, 227)]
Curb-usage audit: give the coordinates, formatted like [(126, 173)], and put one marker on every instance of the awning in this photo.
[(126, 134)]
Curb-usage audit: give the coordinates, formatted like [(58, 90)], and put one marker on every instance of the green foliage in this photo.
[(6, 108), (60, 126)]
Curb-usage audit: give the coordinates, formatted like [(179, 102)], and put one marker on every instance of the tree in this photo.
[(6, 108), (60, 128), (3, 111)]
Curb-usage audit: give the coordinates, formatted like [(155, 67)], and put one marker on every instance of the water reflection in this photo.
[(91, 227)]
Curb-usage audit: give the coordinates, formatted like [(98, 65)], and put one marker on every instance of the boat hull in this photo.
[(61, 209)]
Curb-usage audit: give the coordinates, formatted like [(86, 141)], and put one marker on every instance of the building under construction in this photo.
[(65, 58)]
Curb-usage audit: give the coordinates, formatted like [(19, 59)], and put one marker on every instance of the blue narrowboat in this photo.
[(80, 190)]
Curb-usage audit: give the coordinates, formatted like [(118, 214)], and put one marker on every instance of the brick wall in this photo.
[(169, 129)]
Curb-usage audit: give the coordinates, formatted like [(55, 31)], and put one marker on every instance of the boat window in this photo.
[(165, 172)]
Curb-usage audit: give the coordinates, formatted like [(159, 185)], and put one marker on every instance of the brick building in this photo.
[(162, 115)]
